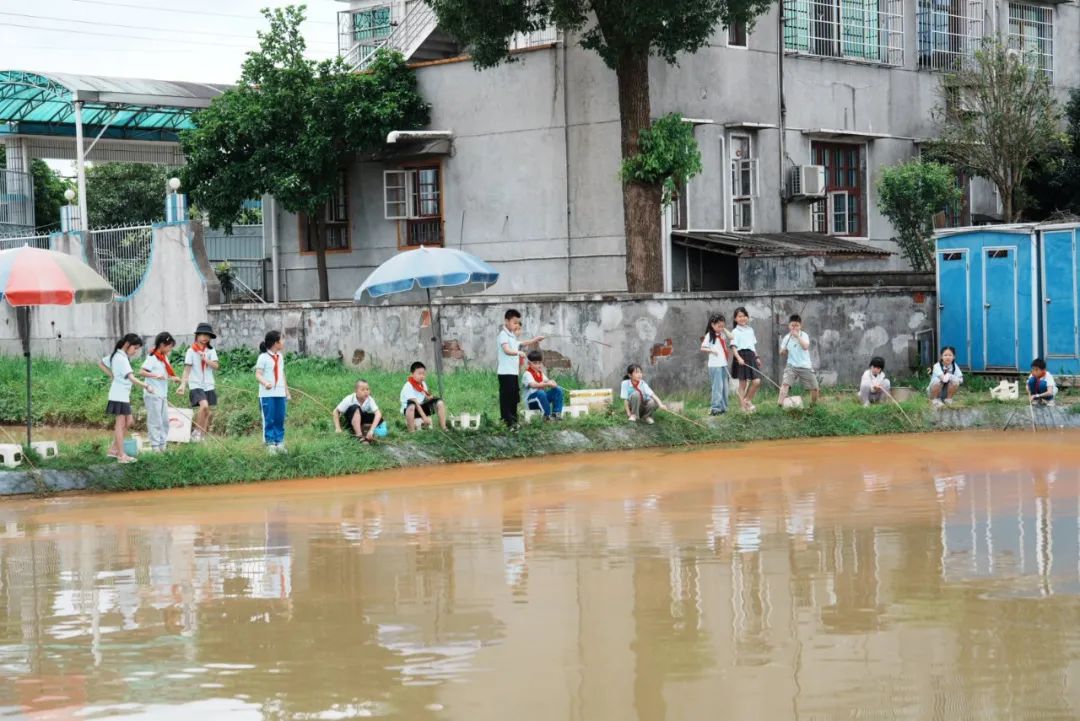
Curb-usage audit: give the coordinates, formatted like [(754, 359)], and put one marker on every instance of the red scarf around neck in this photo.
[(637, 387), (537, 376), (200, 348), (164, 359), (417, 385), (276, 357)]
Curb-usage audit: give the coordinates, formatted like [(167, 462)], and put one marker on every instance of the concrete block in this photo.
[(45, 449), (467, 421), (575, 411), (531, 416), (591, 397), (11, 455)]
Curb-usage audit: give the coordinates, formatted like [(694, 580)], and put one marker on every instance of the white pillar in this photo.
[(274, 266), (80, 166)]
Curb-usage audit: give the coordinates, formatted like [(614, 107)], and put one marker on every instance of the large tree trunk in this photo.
[(318, 241), (641, 202)]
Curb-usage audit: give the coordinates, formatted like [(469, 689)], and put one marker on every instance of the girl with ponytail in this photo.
[(273, 390), (158, 372), (119, 405)]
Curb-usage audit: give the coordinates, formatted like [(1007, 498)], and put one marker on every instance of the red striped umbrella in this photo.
[(33, 277)]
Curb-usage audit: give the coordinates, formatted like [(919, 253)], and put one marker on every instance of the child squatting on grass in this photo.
[(360, 411), (417, 403), (874, 386), (118, 366), (1040, 384), (273, 390), (639, 400), (945, 378)]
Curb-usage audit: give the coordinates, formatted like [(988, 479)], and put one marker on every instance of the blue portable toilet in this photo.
[(1058, 274), (987, 290)]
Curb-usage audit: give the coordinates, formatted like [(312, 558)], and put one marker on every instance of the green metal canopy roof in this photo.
[(128, 108)]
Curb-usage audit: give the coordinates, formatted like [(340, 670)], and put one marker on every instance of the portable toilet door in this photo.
[(1061, 341), (954, 299)]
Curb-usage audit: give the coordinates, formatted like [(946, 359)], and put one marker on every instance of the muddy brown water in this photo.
[(920, 577)]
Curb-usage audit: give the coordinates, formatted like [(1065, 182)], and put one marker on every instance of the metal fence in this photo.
[(16, 200), (18, 241), (123, 256), (246, 256)]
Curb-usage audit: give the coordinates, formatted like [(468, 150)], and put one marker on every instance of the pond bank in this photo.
[(245, 460)]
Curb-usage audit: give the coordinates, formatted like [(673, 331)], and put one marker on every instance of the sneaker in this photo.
[(631, 419), (280, 448), (866, 404), (936, 403), (125, 459), (715, 413), (650, 420), (948, 401)]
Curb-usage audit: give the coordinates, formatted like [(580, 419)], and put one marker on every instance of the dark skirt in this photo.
[(746, 372), (117, 408)]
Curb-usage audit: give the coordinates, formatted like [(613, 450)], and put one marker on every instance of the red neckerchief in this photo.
[(719, 338), (200, 348), (417, 385), (161, 357), (276, 358), (538, 376), (637, 387)]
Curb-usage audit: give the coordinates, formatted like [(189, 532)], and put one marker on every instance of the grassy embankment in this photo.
[(74, 395)]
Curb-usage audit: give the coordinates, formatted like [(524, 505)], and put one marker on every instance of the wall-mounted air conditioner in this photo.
[(808, 181)]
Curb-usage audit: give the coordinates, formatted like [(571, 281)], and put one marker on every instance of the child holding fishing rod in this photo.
[(511, 360), (118, 366), (795, 347), (200, 363), (717, 343), (273, 390), (747, 366), (158, 373), (639, 400)]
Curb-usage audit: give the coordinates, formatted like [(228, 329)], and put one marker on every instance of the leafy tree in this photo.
[(48, 193), (625, 34), (290, 125), (1052, 186), (669, 156), (126, 193), (995, 118), (910, 194)]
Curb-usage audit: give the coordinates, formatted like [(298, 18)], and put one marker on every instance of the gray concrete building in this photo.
[(796, 117)]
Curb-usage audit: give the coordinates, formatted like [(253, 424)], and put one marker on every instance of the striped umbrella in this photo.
[(34, 277)]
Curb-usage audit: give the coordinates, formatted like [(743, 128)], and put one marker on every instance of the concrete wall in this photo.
[(597, 336), (532, 182), (173, 296)]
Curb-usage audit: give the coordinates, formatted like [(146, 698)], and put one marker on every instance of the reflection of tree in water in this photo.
[(668, 640)]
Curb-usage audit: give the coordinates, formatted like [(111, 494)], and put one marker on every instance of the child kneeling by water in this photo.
[(362, 414), (417, 403), (945, 379), (273, 390), (538, 392), (874, 386), (1040, 384), (639, 400)]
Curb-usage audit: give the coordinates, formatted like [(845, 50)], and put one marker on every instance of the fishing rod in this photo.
[(688, 420), (572, 337), (901, 408)]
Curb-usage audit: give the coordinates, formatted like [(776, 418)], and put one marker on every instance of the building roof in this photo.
[(128, 108), (773, 244)]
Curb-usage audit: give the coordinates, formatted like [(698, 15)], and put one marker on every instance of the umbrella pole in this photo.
[(24, 318), (436, 332)]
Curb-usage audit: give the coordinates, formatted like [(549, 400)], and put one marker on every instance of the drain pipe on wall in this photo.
[(275, 270), (566, 155), (781, 117)]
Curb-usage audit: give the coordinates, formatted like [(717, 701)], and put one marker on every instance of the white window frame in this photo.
[(870, 31), (1038, 16), (742, 200), (830, 218), (397, 181), (948, 32)]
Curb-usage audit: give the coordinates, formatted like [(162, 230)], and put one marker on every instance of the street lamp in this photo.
[(174, 184)]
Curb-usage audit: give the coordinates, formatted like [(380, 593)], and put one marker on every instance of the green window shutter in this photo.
[(797, 24)]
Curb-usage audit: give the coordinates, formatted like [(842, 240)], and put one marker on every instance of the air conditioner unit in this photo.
[(808, 181)]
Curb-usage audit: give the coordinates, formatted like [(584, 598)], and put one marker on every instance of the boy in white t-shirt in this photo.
[(417, 403), (795, 347), (200, 362), (361, 413), (511, 359)]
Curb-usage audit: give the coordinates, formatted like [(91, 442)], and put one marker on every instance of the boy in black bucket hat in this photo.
[(200, 362)]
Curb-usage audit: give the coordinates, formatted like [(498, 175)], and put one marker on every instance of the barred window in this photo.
[(335, 220), (1031, 31), (949, 32), (869, 30)]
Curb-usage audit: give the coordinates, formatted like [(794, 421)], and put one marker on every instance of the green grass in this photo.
[(74, 395)]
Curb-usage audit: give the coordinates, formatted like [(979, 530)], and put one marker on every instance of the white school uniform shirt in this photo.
[(744, 338), (720, 344), (869, 380), (526, 389), (627, 389), (408, 393), (1051, 384), (368, 406), (938, 372), (797, 356), (120, 365), (156, 367), (508, 364), (200, 379), (265, 363)]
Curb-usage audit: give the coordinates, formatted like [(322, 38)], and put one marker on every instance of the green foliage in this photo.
[(667, 154), (126, 193), (910, 194), (226, 277), (1052, 186), (291, 124), (995, 118)]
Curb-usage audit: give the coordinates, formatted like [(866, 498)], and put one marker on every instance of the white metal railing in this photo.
[(18, 241), (861, 30), (949, 32), (16, 199), (547, 36), (407, 36), (1031, 31), (123, 256)]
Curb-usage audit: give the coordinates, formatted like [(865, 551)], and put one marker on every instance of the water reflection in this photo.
[(918, 577)]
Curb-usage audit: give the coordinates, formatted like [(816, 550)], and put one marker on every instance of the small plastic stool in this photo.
[(467, 421), (11, 455), (45, 449), (575, 411), (531, 416)]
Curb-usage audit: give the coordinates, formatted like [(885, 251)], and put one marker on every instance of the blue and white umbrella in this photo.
[(418, 275)]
